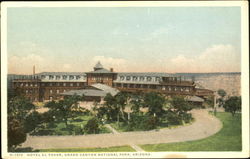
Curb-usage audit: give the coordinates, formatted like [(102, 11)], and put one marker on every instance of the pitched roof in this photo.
[(98, 65), (103, 70), (101, 91), (152, 74), (86, 92), (106, 88), (62, 73), (194, 99)]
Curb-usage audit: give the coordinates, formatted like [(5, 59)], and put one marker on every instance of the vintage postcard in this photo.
[(125, 79)]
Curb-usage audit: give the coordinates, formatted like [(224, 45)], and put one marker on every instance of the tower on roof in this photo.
[(98, 66)]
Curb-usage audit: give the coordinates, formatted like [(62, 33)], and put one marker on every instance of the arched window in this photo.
[(149, 78), (134, 78), (142, 78), (122, 78), (78, 77), (51, 77), (64, 77)]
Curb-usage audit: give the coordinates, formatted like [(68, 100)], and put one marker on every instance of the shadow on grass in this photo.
[(78, 120)]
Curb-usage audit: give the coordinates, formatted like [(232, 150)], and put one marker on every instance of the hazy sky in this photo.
[(147, 39)]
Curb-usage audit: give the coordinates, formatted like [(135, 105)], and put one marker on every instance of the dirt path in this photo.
[(204, 125)]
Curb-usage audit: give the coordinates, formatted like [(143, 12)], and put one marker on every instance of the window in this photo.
[(57, 91), (26, 84), (64, 77), (50, 98), (64, 84), (131, 86), (26, 91), (50, 91), (141, 78), (58, 77), (21, 84), (78, 84), (149, 78), (118, 84), (157, 78), (58, 84), (50, 84), (134, 78), (122, 78), (128, 78), (71, 77), (51, 77), (31, 91), (35, 84), (31, 84), (78, 77), (43, 76), (64, 90), (71, 84)]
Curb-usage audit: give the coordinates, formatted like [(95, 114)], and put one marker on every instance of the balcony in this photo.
[(178, 92)]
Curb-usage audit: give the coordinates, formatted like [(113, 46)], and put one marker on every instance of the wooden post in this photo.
[(215, 111)]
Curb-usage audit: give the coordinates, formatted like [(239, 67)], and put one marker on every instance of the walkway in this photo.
[(135, 147), (205, 125)]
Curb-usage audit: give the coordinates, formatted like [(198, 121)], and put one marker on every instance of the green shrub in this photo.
[(173, 118), (78, 131), (92, 126), (150, 123), (141, 122)]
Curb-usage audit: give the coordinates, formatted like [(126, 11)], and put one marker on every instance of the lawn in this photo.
[(227, 139), (75, 127), (109, 149)]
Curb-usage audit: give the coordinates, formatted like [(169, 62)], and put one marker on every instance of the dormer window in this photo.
[(64, 77), (149, 78), (122, 78), (128, 78), (78, 77), (134, 78), (51, 77), (71, 77), (58, 77), (43, 76), (141, 78), (157, 78)]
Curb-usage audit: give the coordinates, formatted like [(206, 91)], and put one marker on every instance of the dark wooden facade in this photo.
[(36, 90), (49, 85)]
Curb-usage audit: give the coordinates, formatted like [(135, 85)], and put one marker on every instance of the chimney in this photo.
[(111, 70), (34, 70)]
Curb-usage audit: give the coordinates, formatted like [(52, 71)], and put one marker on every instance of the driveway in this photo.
[(204, 125)]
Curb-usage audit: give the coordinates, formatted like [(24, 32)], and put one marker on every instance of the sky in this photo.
[(128, 39)]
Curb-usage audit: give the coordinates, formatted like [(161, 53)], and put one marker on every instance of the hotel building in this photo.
[(47, 86)]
